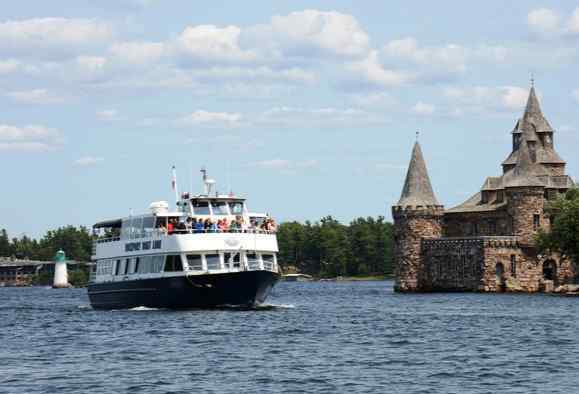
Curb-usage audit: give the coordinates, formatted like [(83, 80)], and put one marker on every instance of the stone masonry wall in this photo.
[(523, 205), (410, 227), (472, 224)]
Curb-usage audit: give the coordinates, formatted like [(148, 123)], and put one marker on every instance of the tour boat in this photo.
[(140, 260)]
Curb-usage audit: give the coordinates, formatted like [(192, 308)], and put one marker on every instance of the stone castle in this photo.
[(485, 244)]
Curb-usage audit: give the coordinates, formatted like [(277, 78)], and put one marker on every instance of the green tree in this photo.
[(76, 242), (563, 236), (5, 249)]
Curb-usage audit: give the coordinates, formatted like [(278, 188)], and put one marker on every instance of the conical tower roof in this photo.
[(525, 171), (417, 188)]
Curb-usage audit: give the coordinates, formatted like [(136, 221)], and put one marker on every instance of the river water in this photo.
[(317, 337)]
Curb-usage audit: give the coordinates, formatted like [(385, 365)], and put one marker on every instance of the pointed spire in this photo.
[(533, 107), (417, 188)]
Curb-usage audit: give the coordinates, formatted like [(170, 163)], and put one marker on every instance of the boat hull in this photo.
[(247, 288)]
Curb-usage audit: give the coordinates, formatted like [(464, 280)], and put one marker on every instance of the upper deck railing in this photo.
[(158, 234)]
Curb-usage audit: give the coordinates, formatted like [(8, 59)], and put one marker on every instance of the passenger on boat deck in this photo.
[(188, 225), (199, 227), (222, 225), (252, 225), (170, 227), (234, 226), (181, 227), (162, 229)]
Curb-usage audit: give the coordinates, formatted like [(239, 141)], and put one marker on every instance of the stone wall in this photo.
[(523, 204), (453, 264), (472, 224), (411, 225)]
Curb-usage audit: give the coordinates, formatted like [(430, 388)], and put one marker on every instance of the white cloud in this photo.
[(107, 114), (8, 66), (34, 138), (212, 119), (379, 99), (43, 36), (138, 53), (543, 21), (484, 99), (15, 133), (88, 161), (576, 95), (332, 32), (207, 43), (451, 57), (423, 108), (35, 96), (573, 24), (372, 71)]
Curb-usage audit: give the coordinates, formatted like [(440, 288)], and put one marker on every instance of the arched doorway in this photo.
[(550, 271), (500, 276)]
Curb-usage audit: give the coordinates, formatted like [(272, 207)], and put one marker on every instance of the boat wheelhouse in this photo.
[(166, 259)]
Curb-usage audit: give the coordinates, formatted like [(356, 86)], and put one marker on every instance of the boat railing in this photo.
[(158, 234)]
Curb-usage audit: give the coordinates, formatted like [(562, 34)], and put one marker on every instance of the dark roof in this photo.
[(417, 188), (525, 171)]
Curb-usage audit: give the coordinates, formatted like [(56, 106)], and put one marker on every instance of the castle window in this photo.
[(484, 197), (500, 196), (514, 265), (536, 222), (492, 227), (475, 228)]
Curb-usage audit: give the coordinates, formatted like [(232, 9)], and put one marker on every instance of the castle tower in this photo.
[(417, 215), (525, 196), (534, 128)]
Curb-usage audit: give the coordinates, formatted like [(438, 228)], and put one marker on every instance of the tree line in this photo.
[(324, 248), (75, 241)]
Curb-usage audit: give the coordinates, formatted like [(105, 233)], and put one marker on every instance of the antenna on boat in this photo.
[(174, 185), (207, 183)]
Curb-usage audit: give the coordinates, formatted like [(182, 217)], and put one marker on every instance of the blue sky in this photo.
[(308, 108)]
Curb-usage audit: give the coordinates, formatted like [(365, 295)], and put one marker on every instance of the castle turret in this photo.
[(417, 215), (525, 196), (535, 130)]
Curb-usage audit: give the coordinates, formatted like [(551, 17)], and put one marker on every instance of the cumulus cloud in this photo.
[(42, 37), (543, 20), (331, 32), (33, 138), (372, 71), (209, 43), (211, 119), (450, 57), (34, 96), (485, 99), (88, 161)]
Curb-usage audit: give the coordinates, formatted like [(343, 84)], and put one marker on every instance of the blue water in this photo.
[(312, 338)]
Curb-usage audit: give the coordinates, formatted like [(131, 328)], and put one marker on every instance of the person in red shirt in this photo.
[(170, 227)]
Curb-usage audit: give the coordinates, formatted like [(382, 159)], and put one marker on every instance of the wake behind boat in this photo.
[(211, 251)]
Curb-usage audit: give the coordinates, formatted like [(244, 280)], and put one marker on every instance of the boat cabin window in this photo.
[(173, 263), (136, 266), (232, 259), (127, 265), (213, 261), (200, 207), (219, 208), (194, 261), (236, 208), (252, 261), (117, 267)]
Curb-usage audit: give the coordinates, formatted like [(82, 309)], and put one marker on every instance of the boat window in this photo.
[(252, 261), (232, 259), (127, 265), (213, 261), (173, 263), (148, 226), (157, 264), (117, 267), (136, 266), (201, 208), (236, 208), (268, 261), (126, 229), (219, 208), (194, 261), (144, 265)]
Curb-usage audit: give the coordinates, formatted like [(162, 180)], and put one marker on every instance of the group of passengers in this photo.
[(200, 225)]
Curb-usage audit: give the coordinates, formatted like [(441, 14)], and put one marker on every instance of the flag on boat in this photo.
[(174, 179)]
